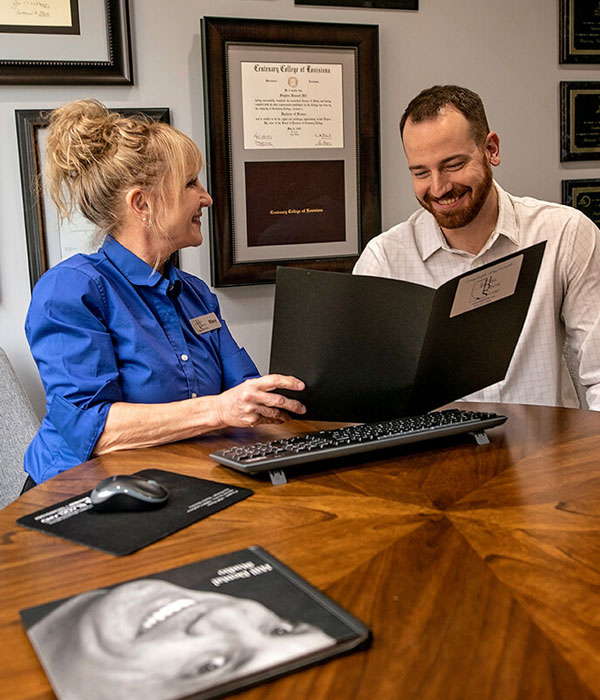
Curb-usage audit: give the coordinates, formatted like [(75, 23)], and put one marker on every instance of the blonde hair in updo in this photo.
[(95, 156)]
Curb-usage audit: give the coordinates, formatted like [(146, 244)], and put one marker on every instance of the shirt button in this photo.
[(194, 395), (185, 358)]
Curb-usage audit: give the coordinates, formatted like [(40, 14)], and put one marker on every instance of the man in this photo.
[(467, 220)]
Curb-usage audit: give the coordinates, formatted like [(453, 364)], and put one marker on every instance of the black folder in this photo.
[(371, 348)]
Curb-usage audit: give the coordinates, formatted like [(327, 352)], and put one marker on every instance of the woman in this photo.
[(132, 351)]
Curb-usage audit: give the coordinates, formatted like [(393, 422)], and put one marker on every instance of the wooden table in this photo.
[(476, 567)]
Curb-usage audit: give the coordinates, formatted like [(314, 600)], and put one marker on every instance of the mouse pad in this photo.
[(190, 500)]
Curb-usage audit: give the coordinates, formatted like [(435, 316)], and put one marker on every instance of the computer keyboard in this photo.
[(366, 437)]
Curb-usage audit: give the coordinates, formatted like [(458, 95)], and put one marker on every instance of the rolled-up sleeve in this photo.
[(74, 352), (235, 361), (581, 305)]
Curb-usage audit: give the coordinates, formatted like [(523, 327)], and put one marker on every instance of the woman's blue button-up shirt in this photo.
[(105, 328)]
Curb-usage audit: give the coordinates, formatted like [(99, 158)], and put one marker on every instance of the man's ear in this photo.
[(492, 148), (137, 202)]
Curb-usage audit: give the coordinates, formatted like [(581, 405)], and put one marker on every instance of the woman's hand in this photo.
[(252, 402), (130, 425)]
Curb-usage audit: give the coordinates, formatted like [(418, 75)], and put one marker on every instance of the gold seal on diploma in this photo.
[(293, 81)]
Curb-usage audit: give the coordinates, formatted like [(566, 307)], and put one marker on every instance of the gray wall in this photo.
[(507, 50)]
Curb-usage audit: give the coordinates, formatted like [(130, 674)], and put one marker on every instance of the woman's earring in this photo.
[(147, 222)]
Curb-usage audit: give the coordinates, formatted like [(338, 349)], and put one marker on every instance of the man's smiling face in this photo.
[(451, 173)]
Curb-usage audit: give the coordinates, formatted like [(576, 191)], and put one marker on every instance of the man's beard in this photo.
[(464, 216)]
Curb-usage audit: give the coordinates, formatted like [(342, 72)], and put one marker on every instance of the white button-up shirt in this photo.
[(565, 304)]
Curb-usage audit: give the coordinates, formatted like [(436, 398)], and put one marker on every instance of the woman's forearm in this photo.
[(132, 425), (255, 401)]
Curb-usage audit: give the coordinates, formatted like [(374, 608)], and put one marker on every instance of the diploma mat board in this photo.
[(372, 348), (202, 630)]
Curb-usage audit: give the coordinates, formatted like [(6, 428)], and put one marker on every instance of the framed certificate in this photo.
[(61, 42), (584, 195), (292, 111), (42, 17), (580, 31), (579, 123)]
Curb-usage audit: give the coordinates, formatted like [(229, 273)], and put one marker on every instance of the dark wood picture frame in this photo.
[(29, 122), (583, 194), (579, 32), (362, 43), (369, 4), (117, 70), (579, 126)]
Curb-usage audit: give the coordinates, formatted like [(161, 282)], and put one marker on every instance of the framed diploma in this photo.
[(292, 113), (50, 240), (41, 17), (579, 122), (60, 42), (580, 31), (380, 4), (583, 195)]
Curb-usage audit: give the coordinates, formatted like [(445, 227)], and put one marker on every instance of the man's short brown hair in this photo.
[(428, 104)]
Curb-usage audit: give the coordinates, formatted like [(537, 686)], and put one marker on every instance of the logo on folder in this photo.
[(486, 286)]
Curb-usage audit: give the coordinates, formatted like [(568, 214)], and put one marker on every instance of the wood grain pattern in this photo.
[(477, 568)]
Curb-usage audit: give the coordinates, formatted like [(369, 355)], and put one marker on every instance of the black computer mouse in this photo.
[(128, 492)]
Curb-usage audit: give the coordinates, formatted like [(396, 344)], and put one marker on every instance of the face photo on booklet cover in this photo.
[(177, 633)]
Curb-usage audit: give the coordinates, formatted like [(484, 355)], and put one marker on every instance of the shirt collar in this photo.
[(130, 266), (432, 239), (507, 219)]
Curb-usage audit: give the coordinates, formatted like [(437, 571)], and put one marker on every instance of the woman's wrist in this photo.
[(208, 414)]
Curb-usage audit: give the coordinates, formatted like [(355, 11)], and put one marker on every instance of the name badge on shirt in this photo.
[(203, 324)]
